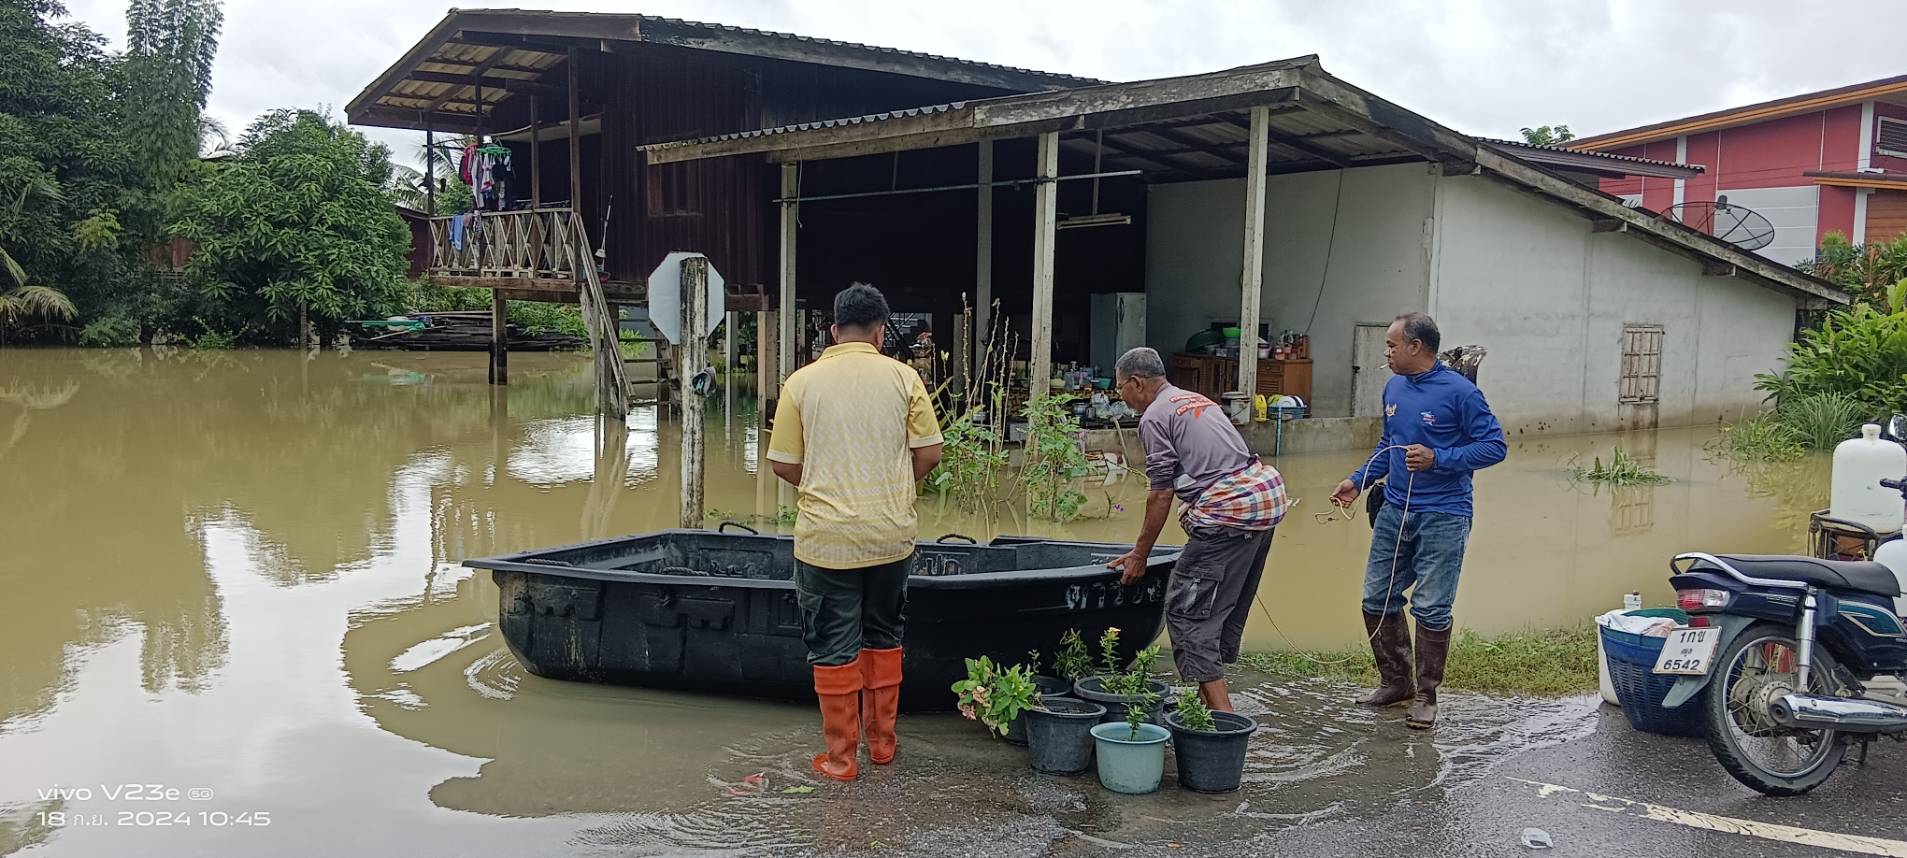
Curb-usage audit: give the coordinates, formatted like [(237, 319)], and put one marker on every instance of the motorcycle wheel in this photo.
[(1756, 668)]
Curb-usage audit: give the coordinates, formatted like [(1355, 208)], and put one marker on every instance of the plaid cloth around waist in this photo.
[(1251, 499)]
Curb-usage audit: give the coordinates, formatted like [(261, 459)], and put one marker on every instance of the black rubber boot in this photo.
[(1433, 649), (1390, 648)]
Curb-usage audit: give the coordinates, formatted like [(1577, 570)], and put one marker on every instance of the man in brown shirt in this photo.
[(1230, 502)]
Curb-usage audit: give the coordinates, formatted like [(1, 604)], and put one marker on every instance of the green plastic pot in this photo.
[(1128, 765)]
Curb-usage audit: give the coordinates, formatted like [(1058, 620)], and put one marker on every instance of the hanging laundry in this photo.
[(457, 232)]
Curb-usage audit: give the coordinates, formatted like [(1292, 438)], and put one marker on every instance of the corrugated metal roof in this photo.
[(1070, 80), (1517, 144), (926, 110)]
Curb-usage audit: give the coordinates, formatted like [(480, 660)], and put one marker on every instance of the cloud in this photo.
[(1480, 66)]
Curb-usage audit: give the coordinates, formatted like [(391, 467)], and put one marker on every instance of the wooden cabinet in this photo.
[(1213, 376)]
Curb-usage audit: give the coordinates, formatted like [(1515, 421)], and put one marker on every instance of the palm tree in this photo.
[(24, 301)]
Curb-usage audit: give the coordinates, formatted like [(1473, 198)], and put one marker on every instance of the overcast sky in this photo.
[(1486, 67)]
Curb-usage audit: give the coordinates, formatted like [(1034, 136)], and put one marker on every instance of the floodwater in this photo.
[(238, 573)]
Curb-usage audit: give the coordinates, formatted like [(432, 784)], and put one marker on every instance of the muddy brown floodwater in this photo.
[(238, 573)]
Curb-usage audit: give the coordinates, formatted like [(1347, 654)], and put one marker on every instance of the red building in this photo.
[(1828, 161)]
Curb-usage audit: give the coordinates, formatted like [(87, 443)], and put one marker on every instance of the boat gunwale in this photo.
[(517, 562)]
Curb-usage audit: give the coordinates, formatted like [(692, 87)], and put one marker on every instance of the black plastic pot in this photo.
[(1049, 686), (1060, 739), (1211, 761), (1093, 688)]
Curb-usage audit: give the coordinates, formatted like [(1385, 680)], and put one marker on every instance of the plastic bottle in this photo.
[(1859, 466), (1632, 602)]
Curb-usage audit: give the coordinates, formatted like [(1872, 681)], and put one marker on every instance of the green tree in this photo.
[(63, 172), (1866, 271), (298, 222), (1548, 135), (170, 46)]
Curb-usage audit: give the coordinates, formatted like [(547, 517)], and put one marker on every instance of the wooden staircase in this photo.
[(612, 382)]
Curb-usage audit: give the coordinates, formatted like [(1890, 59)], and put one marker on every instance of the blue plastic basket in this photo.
[(1641, 690)]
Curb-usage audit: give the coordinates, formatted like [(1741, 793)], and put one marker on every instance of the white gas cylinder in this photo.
[(1893, 555), (1859, 466)]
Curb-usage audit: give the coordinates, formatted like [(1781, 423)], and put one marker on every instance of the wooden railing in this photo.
[(604, 324), (531, 243)]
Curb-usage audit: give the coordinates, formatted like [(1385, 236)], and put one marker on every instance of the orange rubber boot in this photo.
[(880, 701), (839, 687)]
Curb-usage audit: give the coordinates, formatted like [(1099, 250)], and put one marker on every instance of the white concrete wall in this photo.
[(1549, 298), (1378, 263)]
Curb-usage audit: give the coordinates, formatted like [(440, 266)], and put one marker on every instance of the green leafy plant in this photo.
[(1868, 271), (1133, 681), (1761, 438), (1860, 352), (1822, 420), (971, 460), (1054, 460), (1139, 712), (1109, 651), (995, 696), (1622, 470), (1072, 663), (1194, 714)]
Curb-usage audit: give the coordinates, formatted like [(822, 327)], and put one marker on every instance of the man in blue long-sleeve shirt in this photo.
[(1437, 431)]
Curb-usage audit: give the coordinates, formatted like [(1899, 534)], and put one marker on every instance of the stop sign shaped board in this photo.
[(665, 296)]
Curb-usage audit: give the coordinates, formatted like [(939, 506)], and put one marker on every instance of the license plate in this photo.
[(1688, 652)]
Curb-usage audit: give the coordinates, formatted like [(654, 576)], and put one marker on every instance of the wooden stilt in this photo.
[(790, 221), (1045, 216), (695, 272), (983, 252), (499, 338), (1251, 273)]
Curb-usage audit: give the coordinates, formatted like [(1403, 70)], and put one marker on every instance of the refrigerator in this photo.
[(1118, 324)]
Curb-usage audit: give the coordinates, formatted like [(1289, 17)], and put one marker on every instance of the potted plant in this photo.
[(1132, 754), (993, 695), (1117, 690), (1044, 687), (1210, 746), (1059, 739)]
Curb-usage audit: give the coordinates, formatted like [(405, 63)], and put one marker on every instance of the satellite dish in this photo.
[(1738, 225)]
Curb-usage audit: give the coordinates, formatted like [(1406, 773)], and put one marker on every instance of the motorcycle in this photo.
[(1789, 650)]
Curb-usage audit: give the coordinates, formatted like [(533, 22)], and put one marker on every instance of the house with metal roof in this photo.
[(1831, 161), (1083, 216)]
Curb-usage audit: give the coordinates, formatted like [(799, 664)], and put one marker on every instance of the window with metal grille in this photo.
[(1641, 364), (1891, 138)]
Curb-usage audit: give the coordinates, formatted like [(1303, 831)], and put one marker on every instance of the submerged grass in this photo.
[(1622, 470), (1765, 437), (1541, 663)]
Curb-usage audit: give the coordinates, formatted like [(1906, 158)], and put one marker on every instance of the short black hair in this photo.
[(861, 307), (1420, 326)]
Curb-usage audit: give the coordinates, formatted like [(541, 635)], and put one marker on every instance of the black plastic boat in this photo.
[(706, 611)]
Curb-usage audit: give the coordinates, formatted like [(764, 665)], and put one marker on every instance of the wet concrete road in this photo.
[(1617, 792), (1349, 784)]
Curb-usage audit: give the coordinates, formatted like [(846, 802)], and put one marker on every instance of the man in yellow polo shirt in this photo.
[(855, 432)]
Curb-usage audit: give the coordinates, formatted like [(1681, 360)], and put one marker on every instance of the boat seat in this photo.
[(1864, 576)]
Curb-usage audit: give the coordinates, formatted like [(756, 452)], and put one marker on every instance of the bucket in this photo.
[(1128, 765), (1214, 761), (1238, 407), (1059, 738)]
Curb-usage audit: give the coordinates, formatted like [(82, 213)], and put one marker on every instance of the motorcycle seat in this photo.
[(1863, 576)]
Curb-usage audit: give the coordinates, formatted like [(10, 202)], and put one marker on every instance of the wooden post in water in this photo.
[(499, 338), (695, 275)]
